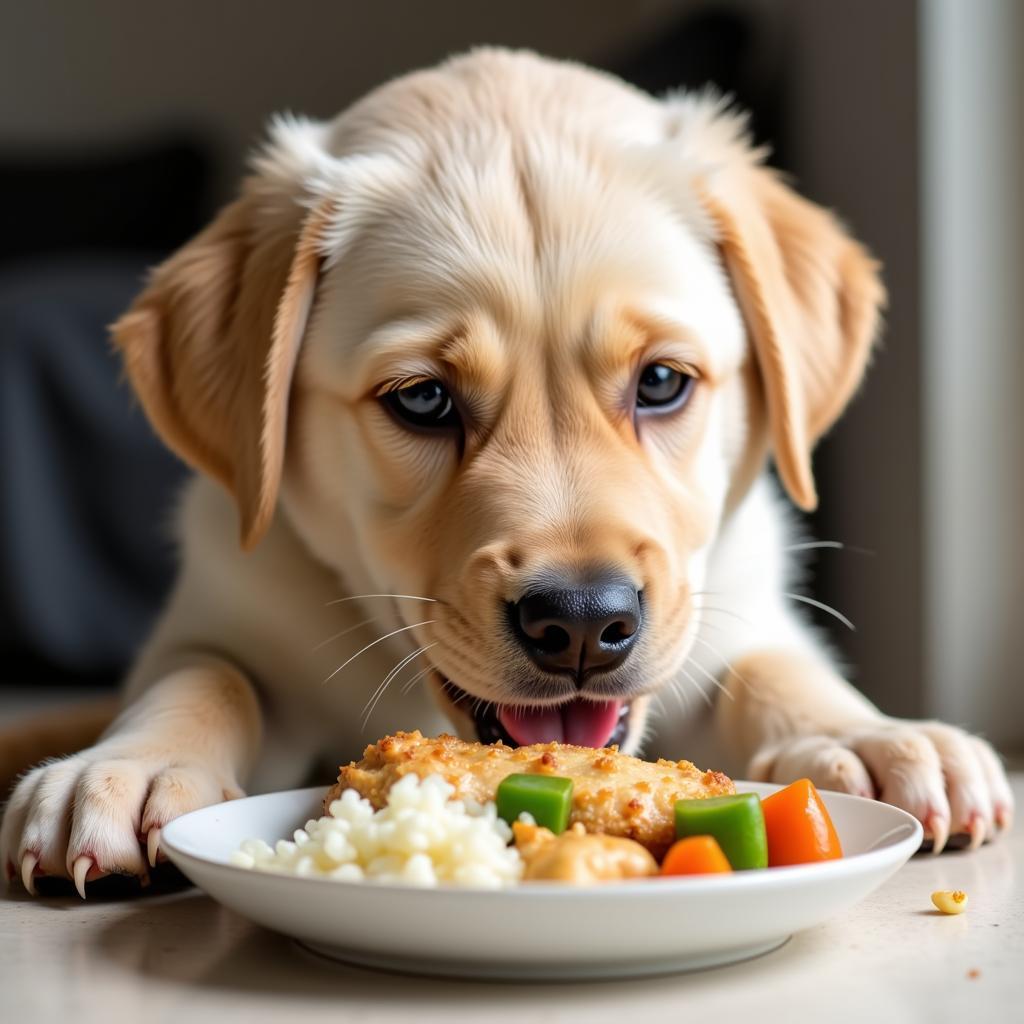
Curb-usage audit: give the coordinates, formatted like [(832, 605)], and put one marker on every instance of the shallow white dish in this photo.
[(539, 931)]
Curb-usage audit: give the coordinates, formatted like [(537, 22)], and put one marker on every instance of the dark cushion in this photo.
[(88, 491), (143, 197)]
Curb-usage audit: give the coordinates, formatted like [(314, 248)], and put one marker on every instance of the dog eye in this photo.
[(425, 404), (661, 387)]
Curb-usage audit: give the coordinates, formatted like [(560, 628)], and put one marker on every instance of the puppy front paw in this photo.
[(952, 782), (100, 812)]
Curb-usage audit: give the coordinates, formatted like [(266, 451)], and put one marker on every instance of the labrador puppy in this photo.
[(481, 379)]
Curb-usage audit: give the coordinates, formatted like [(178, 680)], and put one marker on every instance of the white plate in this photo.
[(543, 930)]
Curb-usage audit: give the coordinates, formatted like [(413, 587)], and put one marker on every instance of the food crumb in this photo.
[(949, 901), (974, 973)]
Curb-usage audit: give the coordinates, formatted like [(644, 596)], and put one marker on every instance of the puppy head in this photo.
[(556, 326)]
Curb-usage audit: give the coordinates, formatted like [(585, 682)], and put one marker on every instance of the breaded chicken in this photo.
[(612, 792)]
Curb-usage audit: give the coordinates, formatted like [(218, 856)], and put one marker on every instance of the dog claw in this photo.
[(976, 830), (1004, 817), (28, 867), (939, 828), (152, 846), (79, 870)]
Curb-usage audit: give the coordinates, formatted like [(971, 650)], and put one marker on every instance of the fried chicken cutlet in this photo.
[(613, 793)]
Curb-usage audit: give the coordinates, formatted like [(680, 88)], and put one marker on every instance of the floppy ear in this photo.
[(811, 295), (211, 344)]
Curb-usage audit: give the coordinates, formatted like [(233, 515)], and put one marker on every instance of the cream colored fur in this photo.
[(534, 231)]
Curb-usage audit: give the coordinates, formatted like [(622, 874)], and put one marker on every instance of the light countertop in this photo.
[(178, 956)]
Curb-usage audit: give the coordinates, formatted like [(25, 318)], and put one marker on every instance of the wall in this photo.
[(852, 103), (973, 419), (102, 70)]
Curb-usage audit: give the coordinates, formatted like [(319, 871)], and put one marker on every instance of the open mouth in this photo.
[(584, 723)]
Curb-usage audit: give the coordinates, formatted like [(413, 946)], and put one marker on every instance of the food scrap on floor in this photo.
[(950, 901)]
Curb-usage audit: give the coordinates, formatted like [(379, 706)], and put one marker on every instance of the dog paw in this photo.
[(952, 782), (100, 812)]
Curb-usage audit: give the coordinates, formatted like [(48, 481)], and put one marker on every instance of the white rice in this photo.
[(422, 837)]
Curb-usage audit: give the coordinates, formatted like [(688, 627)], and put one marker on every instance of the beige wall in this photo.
[(84, 71)]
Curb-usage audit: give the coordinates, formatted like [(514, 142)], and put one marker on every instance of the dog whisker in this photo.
[(344, 632), (700, 689), (711, 678), (838, 545), (406, 687), (722, 611), (402, 663), (667, 647), (373, 643), (371, 704), (458, 700), (397, 597), (682, 693), (382, 685), (824, 607), (718, 654), (458, 671), (682, 699)]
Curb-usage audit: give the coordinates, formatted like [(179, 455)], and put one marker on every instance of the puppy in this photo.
[(481, 379)]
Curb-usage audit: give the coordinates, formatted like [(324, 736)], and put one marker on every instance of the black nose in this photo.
[(581, 627)]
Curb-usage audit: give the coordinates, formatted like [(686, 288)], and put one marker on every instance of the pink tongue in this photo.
[(588, 724), (580, 722)]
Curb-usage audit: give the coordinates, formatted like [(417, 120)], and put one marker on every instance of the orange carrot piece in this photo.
[(695, 855), (798, 826)]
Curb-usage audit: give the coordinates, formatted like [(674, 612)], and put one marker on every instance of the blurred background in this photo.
[(124, 125)]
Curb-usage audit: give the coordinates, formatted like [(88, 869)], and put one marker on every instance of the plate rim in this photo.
[(899, 851)]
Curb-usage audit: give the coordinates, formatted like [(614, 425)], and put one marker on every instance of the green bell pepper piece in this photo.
[(737, 822), (547, 798)]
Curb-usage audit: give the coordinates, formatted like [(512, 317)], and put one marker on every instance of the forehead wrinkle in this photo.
[(400, 347), (476, 354), (657, 327), (470, 349), (613, 341)]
